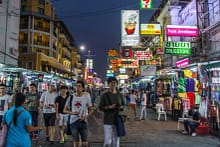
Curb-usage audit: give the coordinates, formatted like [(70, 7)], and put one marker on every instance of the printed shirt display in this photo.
[(190, 84), (79, 104), (181, 85), (48, 100), (191, 96), (4, 100)]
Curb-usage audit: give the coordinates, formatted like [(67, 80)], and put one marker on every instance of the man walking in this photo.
[(60, 115), (111, 102), (5, 101), (79, 106), (32, 102)]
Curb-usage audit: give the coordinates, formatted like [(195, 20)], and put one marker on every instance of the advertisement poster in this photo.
[(148, 70), (150, 29), (130, 28)]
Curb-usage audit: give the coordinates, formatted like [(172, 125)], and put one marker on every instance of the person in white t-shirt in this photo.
[(143, 105), (132, 104), (47, 101), (5, 101), (79, 107)]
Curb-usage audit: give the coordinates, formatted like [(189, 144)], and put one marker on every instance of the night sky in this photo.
[(96, 24)]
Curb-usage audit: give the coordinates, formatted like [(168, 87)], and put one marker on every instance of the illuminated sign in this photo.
[(150, 29), (89, 63), (113, 53), (130, 35), (110, 74), (148, 70), (186, 31), (128, 63), (182, 63), (143, 55), (177, 48), (127, 53), (123, 77), (146, 4), (122, 70)]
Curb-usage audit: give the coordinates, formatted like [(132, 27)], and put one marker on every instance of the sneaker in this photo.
[(193, 134), (47, 138), (185, 132), (61, 141), (65, 136)]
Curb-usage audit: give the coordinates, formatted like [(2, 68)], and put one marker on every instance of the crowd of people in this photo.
[(64, 107)]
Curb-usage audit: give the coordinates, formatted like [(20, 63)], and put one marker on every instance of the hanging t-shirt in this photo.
[(196, 85), (198, 98), (190, 83), (4, 100), (79, 104), (191, 96), (181, 85)]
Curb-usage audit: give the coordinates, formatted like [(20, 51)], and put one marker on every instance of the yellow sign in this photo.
[(150, 29), (112, 53)]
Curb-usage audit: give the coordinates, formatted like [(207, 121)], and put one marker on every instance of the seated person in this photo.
[(192, 123)]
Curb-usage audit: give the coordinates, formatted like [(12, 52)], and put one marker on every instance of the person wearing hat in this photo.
[(61, 117), (110, 102)]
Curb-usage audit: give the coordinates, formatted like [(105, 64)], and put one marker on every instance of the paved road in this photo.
[(145, 133)]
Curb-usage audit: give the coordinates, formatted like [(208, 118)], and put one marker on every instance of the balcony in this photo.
[(65, 57), (44, 29), (67, 47), (42, 43), (54, 47), (23, 26), (23, 41), (55, 34)]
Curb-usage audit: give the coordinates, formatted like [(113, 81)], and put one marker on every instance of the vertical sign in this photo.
[(146, 4), (130, 35)]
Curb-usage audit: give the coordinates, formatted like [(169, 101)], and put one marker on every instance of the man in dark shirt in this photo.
[(192, 123), (60, 115), (32, 103)]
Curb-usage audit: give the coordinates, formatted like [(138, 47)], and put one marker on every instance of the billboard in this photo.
[(148, 70), (143, 55), (128, 63), (177, 48), (150, 29), (185, 31), (146, 4), (182, 63), (130, 35)]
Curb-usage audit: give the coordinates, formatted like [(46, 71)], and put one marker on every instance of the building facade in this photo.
[(45, 44), (9, 31)]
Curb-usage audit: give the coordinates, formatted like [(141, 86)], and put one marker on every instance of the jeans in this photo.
[(79, 128), (143, 112), (191, 124), (111, 136)]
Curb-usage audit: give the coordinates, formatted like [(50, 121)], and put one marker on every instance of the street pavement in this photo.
[(140, 133)]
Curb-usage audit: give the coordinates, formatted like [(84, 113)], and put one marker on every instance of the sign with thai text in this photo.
[(177, 48), (143, 55), (146, 4), (150, 29)]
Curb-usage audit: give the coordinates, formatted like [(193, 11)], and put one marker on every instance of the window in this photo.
[(29, 65), (25, 37), (23, 8), (24, 50), (39, 51), (41, 2), (40, 10), (39, 24), (39, 38)]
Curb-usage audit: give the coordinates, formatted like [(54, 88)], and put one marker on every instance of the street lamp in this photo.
[(82, 48)]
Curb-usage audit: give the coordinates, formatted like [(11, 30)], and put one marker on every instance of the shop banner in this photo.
[(177, 48), (148, 70), (182, 63), (143, 55), (146, 4), (130, 35), (150, 29), (185, 31)]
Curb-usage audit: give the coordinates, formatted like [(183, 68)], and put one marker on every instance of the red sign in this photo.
[(143, 55), (127, 53), (128, 63)]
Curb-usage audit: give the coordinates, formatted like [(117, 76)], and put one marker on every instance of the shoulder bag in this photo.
[(68, 129)]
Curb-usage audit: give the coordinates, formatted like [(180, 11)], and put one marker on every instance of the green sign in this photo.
[(177, 48)]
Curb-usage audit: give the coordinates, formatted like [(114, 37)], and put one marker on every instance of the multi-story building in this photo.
[(45, 44), (9, 30)]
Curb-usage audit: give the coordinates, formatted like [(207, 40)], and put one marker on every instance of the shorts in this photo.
[(49, 119), (63, 119), (133, 106), (79, 128)]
